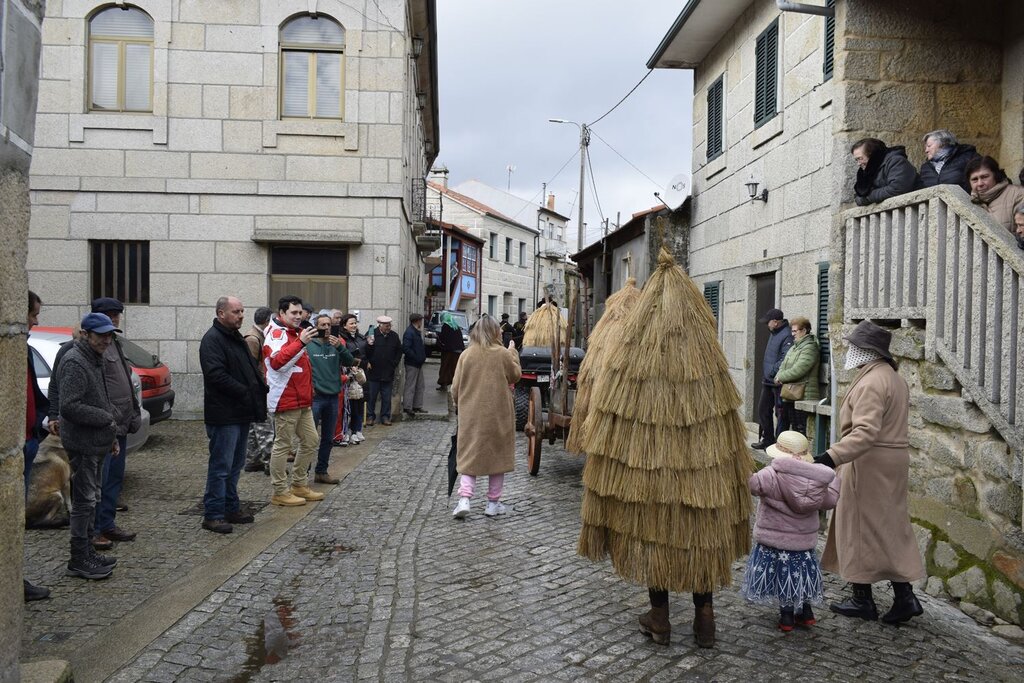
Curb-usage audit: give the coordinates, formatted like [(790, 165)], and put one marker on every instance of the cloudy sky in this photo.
[(507, 66)]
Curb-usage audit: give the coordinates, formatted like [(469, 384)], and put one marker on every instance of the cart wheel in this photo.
[(535, 436)]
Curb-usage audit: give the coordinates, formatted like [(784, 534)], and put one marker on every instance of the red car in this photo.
[(157, 394)]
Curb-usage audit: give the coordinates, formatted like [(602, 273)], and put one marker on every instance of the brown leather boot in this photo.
[(704, 626), (655, 624)]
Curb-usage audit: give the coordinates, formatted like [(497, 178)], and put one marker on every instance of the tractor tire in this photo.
[(522, 402)]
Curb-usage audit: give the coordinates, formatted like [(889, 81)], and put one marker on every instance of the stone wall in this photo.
[(965, 486)]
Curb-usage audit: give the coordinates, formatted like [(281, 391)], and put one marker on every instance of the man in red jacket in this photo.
[(290, 379)]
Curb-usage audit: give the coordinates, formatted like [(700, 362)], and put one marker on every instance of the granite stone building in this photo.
[(188, 149), (781, 91)]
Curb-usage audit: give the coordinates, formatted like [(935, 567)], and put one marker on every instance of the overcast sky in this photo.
[(507, 66)]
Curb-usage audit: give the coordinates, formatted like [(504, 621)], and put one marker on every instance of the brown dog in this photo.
[(49, 490)]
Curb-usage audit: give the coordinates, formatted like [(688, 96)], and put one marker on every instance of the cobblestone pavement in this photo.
[(379, 583)]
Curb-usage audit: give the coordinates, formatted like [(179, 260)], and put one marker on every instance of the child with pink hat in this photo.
[(783, 566)]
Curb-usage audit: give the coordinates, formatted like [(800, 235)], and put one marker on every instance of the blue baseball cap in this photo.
[(98, 323)]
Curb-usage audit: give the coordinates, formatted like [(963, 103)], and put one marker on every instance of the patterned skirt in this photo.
[(788, 578)]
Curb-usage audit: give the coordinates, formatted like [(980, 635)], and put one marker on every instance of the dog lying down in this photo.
[(49, 490)]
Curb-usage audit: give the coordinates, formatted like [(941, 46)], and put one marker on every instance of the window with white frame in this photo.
[(312, 68), (121, 60)]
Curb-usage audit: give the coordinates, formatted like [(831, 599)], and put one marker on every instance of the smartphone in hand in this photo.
[(335, 330)]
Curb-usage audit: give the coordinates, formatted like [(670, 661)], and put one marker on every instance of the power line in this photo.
[(593, 184), (631, 90), (557, 173), (384, 15), (635, 168)]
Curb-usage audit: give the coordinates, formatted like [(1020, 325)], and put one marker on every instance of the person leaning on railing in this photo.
[(800, 370), (1018, 226), (945, 160), (991, 189), (884, 172)]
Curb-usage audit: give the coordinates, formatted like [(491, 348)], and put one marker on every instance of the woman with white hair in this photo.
[(945, 160)]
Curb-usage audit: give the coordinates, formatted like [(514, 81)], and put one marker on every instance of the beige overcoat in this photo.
[(487, 415), (870, 538)]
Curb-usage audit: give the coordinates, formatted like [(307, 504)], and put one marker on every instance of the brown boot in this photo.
[(655, 624), (704, 626)]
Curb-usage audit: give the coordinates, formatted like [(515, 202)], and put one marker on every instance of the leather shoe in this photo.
[(33, 592), (704, 626), (369, 422), (118, 534), (655, 623), (239, 517), (759, 445), (861, 604), (325, 478), (255, 466), (386, 422), (218, 526), (101, 542), (904, 608)]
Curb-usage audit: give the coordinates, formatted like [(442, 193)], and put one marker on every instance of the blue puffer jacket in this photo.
[(778, 345)]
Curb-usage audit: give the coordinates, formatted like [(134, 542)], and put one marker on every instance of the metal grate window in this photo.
[(716, 124), (120, 269), (823, 313), (766, 75), (712, 294), (830, 41)]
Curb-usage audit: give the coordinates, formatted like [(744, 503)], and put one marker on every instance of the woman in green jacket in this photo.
[(799, 366)]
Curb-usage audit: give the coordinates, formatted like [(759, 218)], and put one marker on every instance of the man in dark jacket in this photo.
[(384, 353), (128, 415), (234, 396), (415, 353), (770, 402), (36, 408), (946, 160), (88, 432)]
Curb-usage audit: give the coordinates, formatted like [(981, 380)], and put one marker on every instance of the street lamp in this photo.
[(584, 143)]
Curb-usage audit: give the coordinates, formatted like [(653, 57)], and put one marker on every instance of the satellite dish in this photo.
[(677, 191)]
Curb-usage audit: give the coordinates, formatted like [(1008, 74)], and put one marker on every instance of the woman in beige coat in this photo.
[(487, 416), (870, 538)]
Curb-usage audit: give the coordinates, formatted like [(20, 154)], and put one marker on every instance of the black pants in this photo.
[(767, 408), (793, 419), (659, 598)]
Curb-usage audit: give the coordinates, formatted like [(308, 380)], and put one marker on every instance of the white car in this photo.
[(44, 346)]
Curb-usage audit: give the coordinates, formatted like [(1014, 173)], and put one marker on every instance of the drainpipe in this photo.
[(802, 8)]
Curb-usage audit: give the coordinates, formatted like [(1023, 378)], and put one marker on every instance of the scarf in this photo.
[(856, 357), (449, 320), (990, 195), (941, 157), (866, 176)]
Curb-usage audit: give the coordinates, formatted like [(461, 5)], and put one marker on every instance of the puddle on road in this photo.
[(274, 638)]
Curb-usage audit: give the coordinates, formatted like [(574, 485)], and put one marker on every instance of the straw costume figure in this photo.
[(606, 335), (540, 326), (665, 484)]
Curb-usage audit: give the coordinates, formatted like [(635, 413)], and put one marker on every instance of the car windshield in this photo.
[(138, 356)]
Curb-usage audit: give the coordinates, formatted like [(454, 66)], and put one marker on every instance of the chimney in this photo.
[(439, 175), (551, 201)]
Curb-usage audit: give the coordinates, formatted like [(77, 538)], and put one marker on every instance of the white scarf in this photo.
[(856, 357)]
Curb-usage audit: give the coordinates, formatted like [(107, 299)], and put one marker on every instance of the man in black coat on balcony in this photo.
[(770, 403)]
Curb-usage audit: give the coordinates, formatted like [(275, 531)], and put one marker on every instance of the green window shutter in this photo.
[(823, 312), (830, 41), (766, 55), (712, 294), (715, 119)]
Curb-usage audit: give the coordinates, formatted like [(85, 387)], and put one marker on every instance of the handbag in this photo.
[(793, 391)]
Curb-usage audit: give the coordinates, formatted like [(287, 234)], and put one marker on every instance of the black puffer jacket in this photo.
[(233, 390), (889, 174), (953, 171), (86, 418)]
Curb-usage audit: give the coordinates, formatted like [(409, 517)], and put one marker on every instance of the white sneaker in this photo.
[(494, 508), (358, 437), (462, 509)]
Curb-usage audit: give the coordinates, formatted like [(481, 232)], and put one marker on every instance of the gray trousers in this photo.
[(261, 441), (85, 493), (413, 396)]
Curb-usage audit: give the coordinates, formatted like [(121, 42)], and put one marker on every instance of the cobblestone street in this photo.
[(378, 582)]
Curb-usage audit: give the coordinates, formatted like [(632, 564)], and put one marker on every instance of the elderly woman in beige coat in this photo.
[(870, 538), (487, 416)]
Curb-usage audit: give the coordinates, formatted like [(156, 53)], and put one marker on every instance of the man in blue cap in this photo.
[(88, 432)]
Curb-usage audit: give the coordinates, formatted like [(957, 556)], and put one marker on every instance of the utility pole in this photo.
[(584, 143)]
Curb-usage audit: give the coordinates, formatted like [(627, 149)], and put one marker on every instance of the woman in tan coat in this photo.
[(870, 538), (487, 416)]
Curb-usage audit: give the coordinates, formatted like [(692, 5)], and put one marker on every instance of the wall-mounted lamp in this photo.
[(428, 146), (417, 47), (752, 191), (421, 100)]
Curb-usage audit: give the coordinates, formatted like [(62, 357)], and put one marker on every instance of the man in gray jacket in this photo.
[(88, 431)]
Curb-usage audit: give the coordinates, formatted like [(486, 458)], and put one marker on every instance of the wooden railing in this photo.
[(932, 258)]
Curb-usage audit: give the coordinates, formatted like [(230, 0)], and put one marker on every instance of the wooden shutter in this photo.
[(766, 55), (830, 41), (712, 294), (715, 119), (822, 326)]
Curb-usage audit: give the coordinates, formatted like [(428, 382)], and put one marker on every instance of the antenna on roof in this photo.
[(511, 169)]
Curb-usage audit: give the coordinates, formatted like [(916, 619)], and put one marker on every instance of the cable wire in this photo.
[(388, 21), (657, 185), (593, 185), (624, 98), (557, 173)]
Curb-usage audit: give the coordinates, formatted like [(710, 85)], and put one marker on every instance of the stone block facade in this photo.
[(214, 178)]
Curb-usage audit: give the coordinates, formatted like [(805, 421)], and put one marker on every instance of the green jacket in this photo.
[(801, 365)]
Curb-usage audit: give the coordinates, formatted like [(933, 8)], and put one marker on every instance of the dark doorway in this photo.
[(764, 298)]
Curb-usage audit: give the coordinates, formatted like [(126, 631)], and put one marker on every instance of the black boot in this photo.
[(905, 605), (861, 605)]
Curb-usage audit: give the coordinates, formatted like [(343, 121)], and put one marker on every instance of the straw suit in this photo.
[(870, 538), (487, 418)]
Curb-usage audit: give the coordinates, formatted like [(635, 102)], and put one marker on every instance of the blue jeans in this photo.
[(30, 450), (110, 489), (383, 389), (227, 457), (325, 415)]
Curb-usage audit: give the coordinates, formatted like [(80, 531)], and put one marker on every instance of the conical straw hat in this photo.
[(665, 484), (605, 335), (540, 326)]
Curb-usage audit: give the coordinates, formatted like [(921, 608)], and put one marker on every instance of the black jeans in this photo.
[(767, 408), (793, 419), (85, 493)]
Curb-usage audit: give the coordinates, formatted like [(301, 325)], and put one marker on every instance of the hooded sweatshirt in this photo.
[(792, 491)]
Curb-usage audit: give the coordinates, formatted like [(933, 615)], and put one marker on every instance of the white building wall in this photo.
[(733, 238), (213, 175)]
